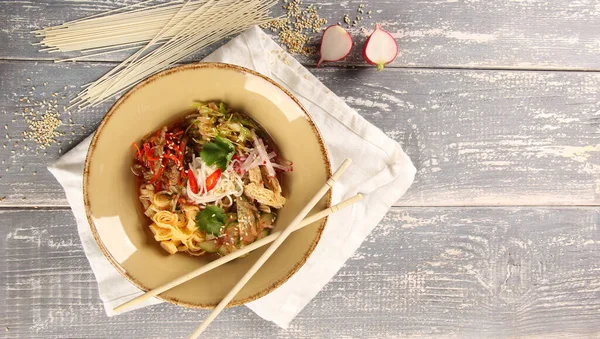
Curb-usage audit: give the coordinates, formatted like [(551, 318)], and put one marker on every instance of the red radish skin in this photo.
[(380, 48), (336, 44)]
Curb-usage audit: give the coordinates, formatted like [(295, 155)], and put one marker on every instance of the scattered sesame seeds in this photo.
[(347, 19), (356, 23), (295, 27), (43, 130), (43, 121)]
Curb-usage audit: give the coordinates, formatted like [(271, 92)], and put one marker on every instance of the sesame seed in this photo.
[(295, 27)]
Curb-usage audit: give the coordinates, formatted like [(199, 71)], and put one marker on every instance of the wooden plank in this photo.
[(476, 137), (468, 272), (501, 34), (24, 179)]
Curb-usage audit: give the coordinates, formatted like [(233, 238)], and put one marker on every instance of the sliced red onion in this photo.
[(281, 167), (262, 152)]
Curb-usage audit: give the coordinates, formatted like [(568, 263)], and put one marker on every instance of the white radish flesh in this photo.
[(335, 44), (380, 49)]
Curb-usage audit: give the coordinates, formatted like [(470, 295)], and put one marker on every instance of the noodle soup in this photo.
[(209, 182)]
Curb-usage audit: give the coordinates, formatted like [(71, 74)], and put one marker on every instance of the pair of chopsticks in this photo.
[(276, 238)]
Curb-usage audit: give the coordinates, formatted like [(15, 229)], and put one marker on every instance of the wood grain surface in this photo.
[(522, 34), (496, 102), (477, 137), (459, 272)]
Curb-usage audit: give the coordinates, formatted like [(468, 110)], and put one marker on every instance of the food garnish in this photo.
[(335, 44), (209, 183), (380, 49)]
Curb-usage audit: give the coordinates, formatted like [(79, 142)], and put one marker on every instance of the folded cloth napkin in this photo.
[(381, 171)]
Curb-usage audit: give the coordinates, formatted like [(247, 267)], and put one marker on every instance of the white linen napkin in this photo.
[(381, 171)]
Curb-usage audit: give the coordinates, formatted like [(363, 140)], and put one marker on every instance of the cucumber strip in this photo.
[(208, 246)]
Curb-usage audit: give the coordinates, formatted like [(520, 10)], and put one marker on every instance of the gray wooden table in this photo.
[(496, 102)]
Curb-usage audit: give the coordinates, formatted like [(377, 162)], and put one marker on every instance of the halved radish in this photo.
[(335, 44), (380, 48)]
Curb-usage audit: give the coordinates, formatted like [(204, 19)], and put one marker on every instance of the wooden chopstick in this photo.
[(271, 249), (225, 259)]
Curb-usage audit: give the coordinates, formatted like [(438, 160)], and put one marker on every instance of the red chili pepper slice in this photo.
[(180, 177), (212, 179), (182, 149), (193, 181), (158, 173), (174, 158), (149, 153), (138, 153)]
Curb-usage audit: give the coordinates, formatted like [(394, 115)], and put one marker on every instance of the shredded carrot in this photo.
[(138, 152)]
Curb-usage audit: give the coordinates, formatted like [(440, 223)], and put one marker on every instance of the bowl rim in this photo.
[(113, 109)]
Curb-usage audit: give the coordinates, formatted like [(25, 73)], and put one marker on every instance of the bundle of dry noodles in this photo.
[(164, 34)]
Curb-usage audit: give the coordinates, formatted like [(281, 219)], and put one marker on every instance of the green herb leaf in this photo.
[(222, 108), (244, 134), (197, 104), (218, 152), (245, 122), (211, 219)]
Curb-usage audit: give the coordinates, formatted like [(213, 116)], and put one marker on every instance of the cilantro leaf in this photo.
[(218, 152), (222, 108), (211, 219)]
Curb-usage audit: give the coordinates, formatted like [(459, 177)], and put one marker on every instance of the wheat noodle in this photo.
[(165, 34)]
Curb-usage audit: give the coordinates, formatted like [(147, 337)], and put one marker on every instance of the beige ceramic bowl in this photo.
[(110, 194)]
